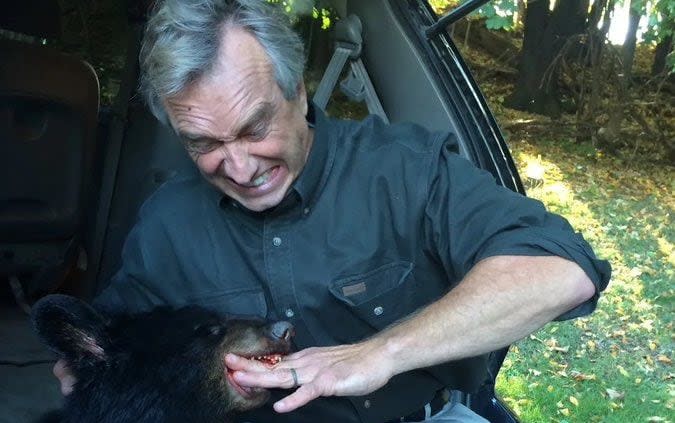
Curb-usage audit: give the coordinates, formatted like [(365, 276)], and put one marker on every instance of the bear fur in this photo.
[(165, 365)]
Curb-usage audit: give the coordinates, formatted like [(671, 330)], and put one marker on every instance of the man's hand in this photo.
[(342, 370), (502, 299), (66, 379)]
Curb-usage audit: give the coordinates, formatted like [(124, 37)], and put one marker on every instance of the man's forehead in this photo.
[(239, 50), (258, 112), (240, 86)]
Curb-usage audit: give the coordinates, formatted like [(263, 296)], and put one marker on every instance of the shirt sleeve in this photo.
[(471, 217)]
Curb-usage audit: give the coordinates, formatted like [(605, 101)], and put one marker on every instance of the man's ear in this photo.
[(71, 328)]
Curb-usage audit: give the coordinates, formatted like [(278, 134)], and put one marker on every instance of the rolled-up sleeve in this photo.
[(471, 217)]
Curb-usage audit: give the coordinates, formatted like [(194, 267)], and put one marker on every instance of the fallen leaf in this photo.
[(615, 395), (664, 359), (622, 371), (654, 419), (578, 376), (574, 401)]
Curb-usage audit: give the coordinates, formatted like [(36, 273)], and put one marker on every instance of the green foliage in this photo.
[(499, 14), (660, 20), (296, 9), (323, 14)]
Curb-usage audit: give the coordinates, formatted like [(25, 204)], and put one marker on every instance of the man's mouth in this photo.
[(262, 179)]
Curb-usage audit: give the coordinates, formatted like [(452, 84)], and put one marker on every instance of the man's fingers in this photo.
[(66, 379), (278, 378), (235, 362), (300, 397), (300, 354)]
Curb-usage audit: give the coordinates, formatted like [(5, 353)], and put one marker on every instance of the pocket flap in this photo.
[(359, 289)]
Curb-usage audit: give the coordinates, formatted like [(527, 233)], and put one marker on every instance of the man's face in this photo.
[(245, 137)]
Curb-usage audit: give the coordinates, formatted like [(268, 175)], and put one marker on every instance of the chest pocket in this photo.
[(374, 300), (237, 302)]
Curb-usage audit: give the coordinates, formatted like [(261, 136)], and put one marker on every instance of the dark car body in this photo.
[(74, 230)]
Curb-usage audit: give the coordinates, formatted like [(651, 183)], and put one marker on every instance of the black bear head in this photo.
[(162, 365)]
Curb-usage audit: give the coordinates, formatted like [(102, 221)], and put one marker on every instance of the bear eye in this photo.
[(210, 329)]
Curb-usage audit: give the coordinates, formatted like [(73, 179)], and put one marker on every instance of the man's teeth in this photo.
[(261, 179)]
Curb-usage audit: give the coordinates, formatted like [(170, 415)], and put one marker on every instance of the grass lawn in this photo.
[(616, 364)]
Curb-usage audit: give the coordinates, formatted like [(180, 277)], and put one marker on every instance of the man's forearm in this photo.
[(501, 300)]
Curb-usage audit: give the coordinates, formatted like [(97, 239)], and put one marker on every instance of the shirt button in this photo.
[(276, 241), (290, 313), (366, 403), (378, 311), (305, 211)]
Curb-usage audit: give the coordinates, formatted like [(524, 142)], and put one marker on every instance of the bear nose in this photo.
[(281, 331)]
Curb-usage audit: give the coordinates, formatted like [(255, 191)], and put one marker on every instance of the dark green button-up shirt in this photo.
[(382, 221)]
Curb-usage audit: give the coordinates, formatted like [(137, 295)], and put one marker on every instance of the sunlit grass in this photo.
[(615, 365)]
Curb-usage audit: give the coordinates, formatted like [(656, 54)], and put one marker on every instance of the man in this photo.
[(401, 262)]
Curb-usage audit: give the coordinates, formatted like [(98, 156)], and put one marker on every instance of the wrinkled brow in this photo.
[(263, 112)]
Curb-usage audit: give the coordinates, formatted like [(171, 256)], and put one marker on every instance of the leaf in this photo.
[(574, 401), (622, 371), (664, 359), (654, 419), (615, 395), (578, 376)]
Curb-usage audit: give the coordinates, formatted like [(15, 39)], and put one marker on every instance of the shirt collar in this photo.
[(319, 162)]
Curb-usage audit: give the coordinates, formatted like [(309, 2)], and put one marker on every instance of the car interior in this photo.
[(76, 172)]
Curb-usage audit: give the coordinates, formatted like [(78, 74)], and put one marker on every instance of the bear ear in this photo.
[(70, 327)]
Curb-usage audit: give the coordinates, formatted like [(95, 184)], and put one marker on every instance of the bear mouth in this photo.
[(269, 360)]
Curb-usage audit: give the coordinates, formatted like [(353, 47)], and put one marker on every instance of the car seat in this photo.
[(48, 116)]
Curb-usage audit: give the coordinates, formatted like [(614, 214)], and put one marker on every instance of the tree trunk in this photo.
[(616, 114), (532, 66), (597, 36), (663, 48), (595, 14), (546, 33), (628, 52), (521, 13)]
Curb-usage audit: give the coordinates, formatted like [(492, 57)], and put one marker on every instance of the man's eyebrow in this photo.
[(188, 136), (262, 112)]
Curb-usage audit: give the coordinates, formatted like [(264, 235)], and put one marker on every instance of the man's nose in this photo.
[(238, 164)]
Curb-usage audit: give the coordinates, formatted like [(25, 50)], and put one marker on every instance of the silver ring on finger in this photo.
[(295, 377)]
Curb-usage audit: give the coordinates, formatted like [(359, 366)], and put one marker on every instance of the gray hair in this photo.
[(182, 40)]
